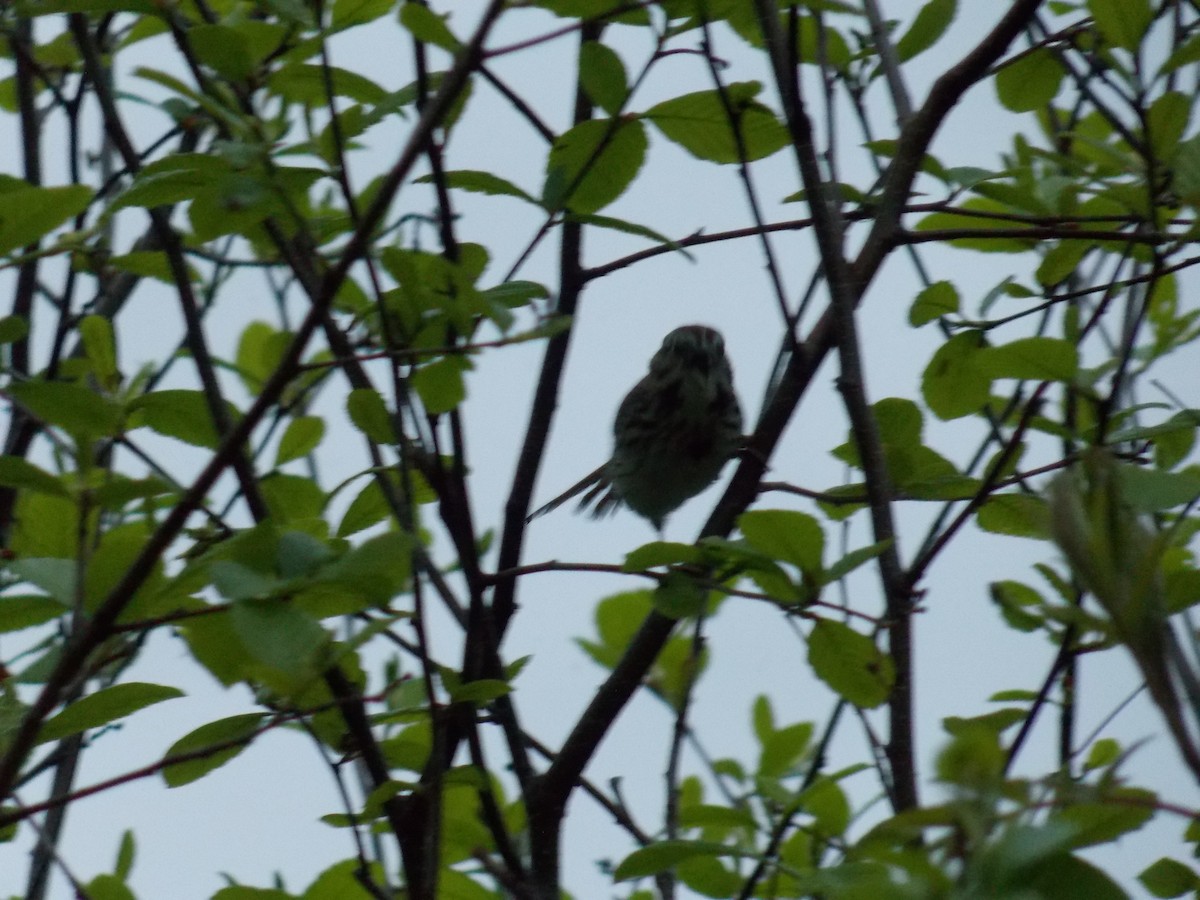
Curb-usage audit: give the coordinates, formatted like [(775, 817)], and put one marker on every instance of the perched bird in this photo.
[(674, 431)]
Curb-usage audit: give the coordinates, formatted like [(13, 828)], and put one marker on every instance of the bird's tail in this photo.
[(599, 492)]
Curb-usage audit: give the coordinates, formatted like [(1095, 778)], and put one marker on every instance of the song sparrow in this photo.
[(673, 432)]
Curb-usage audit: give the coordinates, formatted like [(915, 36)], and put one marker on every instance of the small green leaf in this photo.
[(231, 735), (853, 560), (661, 553), (700, 123), (287, 644), (19, 611), (602, 75), (183, 415), (1124, 810), (260, 350), (1122, 22), (663, 855), (99, 345), (18, 472), (954, 383), (927, 28), (426, 25), (481, 691), (301, 437), (223, 48), (1019, 604), (1038, 358), (679, 596), (1031, 81), (478, 182), (73, 407), (1104, 752), (105, 706), (28, 214), (1020, 515), (850, 663), (785, 535), (12, 329), (1167, 877), (440, 384), (369, 414), (368, 508), (1166, 122), (590, 165), (783, 749), (937, 300), (292, 498), (1153, 490), (306, 83)]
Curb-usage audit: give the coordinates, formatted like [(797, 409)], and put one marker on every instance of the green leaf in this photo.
[(440, 384), (1037, 358), (850, 663), (427, 26), (174, 179), (785, 535), (107, 887), (369, 507), (478, 182), (853, 560), (100, 346), (481, 691), (1020, 515), (1061, 261), (292, 498), (590, 165), (104, 706), (288, 645), (224, 49), (602, 76), (1167, 877), (1104, 752), (125, 854), (1166, 121), (301, 437), (661, 553), (1019, 604), (370, 415), (260, 350), (304, 83), (1186, 175), (13, 329), (1031, 81), (937, 300), (19, 611), (700, 123), (18, 472), (28, 214), (182, 415), (1153, 490), (927, 28), (679, 595), (626, 227), (1124, 810), (1122, 22), (954, 383), (201, 743), (783, 749), (80, 411), (663, 855)]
